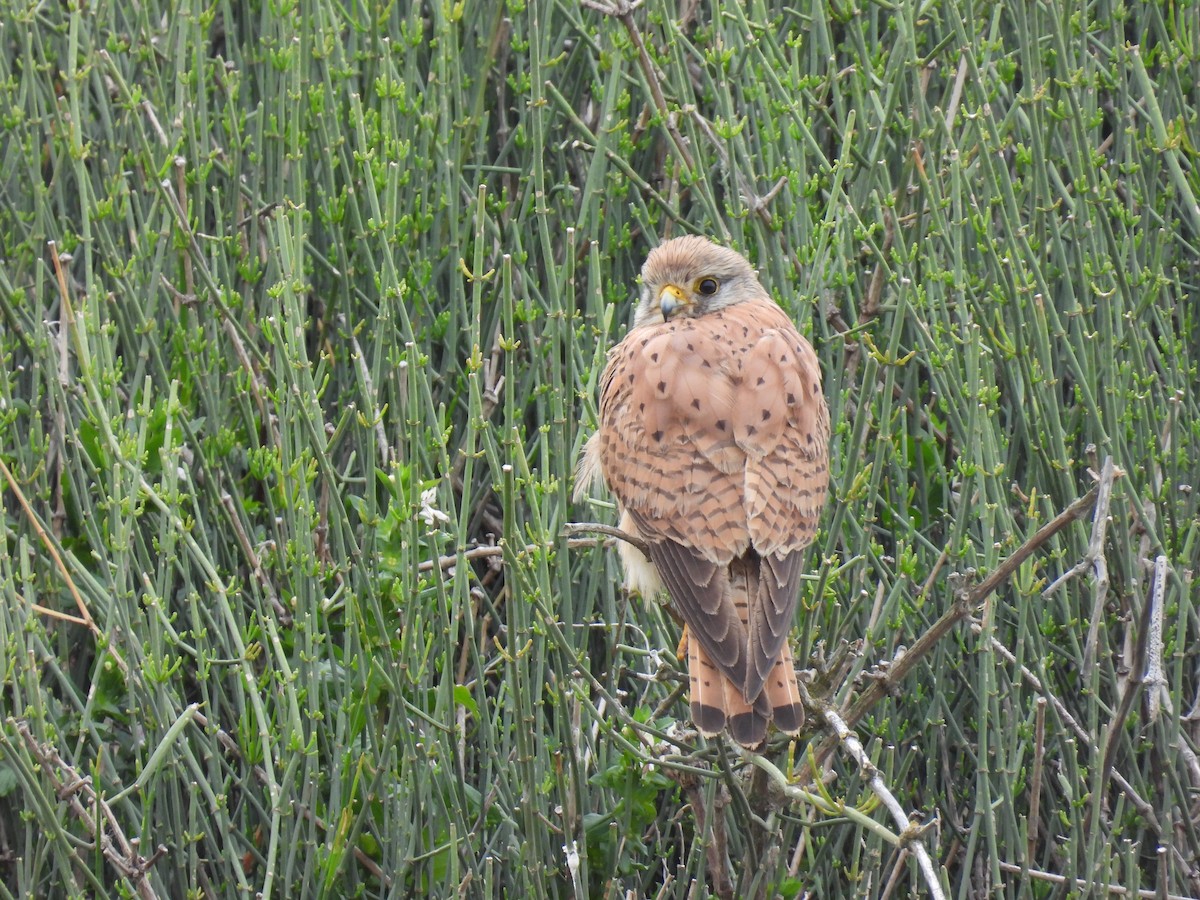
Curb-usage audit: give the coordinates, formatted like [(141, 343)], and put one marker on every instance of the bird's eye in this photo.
[(707, 286)]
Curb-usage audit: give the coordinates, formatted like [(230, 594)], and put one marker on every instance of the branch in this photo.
[(1086, 885), (445, 562), (911, 831), (623, 10), (103, 827), (964, 603), (716, 842), (598, 528), (819, 801), (85, 617), (1155, 681), (1094, 559)]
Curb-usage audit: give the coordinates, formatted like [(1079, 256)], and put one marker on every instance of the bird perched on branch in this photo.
[(713, 436)]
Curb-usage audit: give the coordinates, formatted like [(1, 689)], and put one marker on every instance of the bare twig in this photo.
[(898, 869), (758, 205), (102, 824), (873, 300), (598, 528), (446, 562), (910, 830), (623, 10), (1137, 668), (386, 454), (964, 603), (972, 598), (189, 276), (1094, 559), (1190, 762), (1035, 780), (716, 843), (284, 614), (85, 617), (1155, 681), (956, 94), (57, 448), (790, 791), (1088, 885), (148, 109)]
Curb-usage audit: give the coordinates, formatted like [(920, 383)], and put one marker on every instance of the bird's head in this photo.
[(691, 276)]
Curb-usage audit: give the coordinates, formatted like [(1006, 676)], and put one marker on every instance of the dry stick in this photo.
[(897, 873), (716, 848), (1082, 884), (869, 309), (741, 804), (956, 94), (821, 800), (623, 10), (1124, 706), (1085, 740), (910, 834), (85, 617), (910, 831), (386, 454), (1190, 761), (758, 205), (102, 825), (1155, 680), (68, 323), (1035, 781), (598, 528), (58, 518), (282, 612), (446, 562), (872, 301), (1138, 671), (964, 603), (189, 276), (1094, 558), (241, 349)]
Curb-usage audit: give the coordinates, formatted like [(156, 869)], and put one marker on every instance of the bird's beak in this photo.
[(670, 299)]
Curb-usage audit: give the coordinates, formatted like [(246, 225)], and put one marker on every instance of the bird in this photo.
[(713, 438)]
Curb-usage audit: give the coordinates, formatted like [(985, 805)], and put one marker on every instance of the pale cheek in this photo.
[(647, 313)]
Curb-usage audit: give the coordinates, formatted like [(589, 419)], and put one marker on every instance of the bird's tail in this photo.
[(783, 694), (718, 703)]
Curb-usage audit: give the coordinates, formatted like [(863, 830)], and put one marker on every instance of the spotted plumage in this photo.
[(713, 435)]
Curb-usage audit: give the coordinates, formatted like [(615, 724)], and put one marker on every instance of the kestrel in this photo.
[(713, 435)]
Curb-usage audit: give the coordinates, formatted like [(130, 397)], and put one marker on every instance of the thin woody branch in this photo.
[(623, 10), (95, 814), (911, 831), (964, 603), (491, 552)]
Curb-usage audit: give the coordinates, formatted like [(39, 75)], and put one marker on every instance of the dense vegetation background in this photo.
[(302, 308)]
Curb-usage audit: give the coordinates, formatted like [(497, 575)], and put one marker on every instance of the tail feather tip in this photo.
[(749, 729), (789, 718), (709, 720)]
